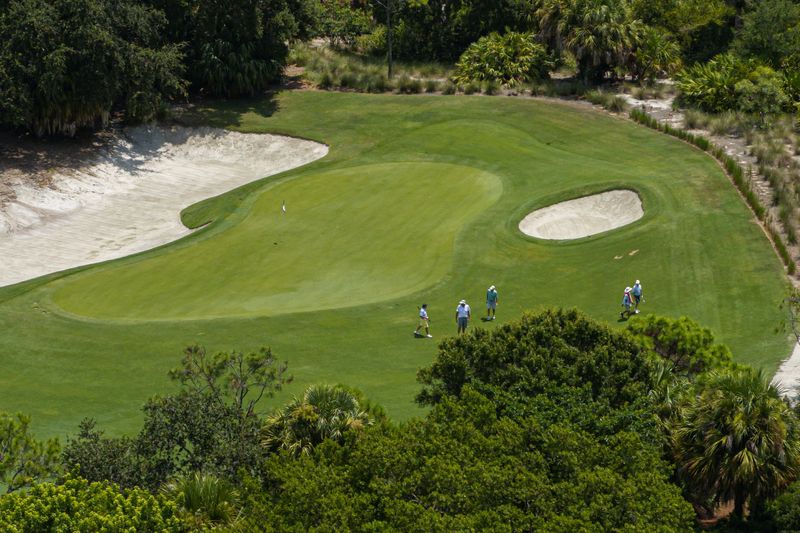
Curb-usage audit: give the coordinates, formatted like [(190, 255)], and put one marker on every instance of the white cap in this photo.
[(637, 282), (628, 289), (462, 302), (491, 288)]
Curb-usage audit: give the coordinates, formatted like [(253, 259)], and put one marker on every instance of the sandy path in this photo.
[(788, 373), (584, 216), (130, 198)]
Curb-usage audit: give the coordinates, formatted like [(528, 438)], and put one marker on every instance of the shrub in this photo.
[(77, 505), (761, 94), (472, 88), (598, 97), (431, 86), (373, 43), (348, 79), (449, 88), (325, 81), (490, 87), (711, 86), (617, 104), (508, 59), (408, 85), (726, 123)]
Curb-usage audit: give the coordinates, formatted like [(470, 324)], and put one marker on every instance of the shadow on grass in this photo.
[(227, 113)]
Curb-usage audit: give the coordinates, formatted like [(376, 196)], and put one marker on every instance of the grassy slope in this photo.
[(696, 250)]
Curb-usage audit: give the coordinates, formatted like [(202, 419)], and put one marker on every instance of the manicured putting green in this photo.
[(418, 200), (319, 254)]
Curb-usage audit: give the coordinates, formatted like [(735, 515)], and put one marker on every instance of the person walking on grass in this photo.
[(462, 316), (637, 294), (627, 300), (491, 303), (424, 321)]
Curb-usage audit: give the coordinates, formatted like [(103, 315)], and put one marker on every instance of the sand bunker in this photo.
[(130, 198), (584, 216)]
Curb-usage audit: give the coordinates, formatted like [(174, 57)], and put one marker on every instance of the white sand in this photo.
[(130, 198), (584, 216), (788, 375)]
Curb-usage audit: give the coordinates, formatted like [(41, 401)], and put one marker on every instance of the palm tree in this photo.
[(600, 33), (324, 412), (656, 53), (204, 499), (737, 439)]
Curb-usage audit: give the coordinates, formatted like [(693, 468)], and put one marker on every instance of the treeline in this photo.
[(68, 64), (551, 423), (727, 54)]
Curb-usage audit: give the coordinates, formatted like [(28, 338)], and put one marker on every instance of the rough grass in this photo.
[(80, 345)]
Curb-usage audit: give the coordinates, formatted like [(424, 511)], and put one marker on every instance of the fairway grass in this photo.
[(418, 200)]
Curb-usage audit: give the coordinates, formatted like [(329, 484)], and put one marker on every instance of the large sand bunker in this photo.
[(129, 199), (584, 216)]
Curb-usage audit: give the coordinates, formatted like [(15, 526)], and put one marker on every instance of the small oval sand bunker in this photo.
[(584, 216)]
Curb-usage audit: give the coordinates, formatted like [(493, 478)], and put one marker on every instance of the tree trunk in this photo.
[(738, 505), (389, 35)]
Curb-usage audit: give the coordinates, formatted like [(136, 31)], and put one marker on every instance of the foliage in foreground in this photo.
[(211, 425), (77, 505), (23, 459), (323, 412), (465, 467), (554, 422), (737, 440)]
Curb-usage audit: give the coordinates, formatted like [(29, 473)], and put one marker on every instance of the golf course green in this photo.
[(418, 201)]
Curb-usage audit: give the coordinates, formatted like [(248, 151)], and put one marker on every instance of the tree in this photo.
[(465, 467), (341, 23), (94, 457), (65, 64), (600, 33), (737, 440), (23, 459), (211, 425), (689, 347), (242, 379), (541, 353), (656, 53), (233, 48), (770, 31), (77, 505), (324, 412), (390, 8)]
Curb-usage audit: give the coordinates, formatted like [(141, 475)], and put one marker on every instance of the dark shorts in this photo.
[(462, 321), (637, 299)]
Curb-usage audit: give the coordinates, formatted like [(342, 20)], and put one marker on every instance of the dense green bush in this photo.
[(784, 511), (77, 505), (467, 468), (541, 353), (689, 347), (509, 59), (711, 86)]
